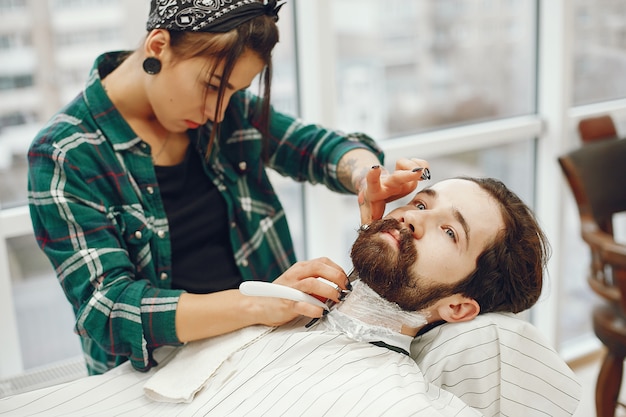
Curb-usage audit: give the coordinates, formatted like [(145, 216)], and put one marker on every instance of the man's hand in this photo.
[(379, 187)]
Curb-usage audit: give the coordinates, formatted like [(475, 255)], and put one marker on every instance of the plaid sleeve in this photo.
[(309, 152), (102, 270)]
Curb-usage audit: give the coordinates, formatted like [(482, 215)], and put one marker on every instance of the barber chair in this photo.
[(597, 128), (596, 174)]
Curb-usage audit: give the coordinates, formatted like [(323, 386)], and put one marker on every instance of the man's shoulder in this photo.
[(503, 356)]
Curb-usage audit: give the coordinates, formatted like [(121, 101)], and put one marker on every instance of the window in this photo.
[(95, 36), (9, 41), (446, 63), (12, 5), (44, 317), (599, 50), (13, 82), (70, 4)]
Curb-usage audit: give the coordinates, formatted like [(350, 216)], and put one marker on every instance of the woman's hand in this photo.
[(199, 316), (379, 187), (303, 276)]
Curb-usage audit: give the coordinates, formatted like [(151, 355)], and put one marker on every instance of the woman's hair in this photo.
[(509, 273), (258, 35)]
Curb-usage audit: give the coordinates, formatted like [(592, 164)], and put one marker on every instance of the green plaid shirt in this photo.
[(98, 215)]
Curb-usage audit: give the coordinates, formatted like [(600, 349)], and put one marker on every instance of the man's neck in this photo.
[(367, 306)]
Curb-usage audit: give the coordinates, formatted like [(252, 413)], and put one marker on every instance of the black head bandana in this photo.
[(207, 15)]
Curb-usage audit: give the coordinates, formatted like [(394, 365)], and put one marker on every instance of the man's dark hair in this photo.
[(509, 272)]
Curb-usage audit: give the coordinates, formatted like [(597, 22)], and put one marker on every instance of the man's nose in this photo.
[(414, 221)]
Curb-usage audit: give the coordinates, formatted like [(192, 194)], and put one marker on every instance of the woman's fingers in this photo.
[(308, 310), (407, 164), (303, 276), (373, 180)]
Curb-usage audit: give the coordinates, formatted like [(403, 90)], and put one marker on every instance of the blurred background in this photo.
[(476, 87)]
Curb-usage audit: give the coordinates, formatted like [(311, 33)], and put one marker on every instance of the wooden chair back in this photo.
[(596, 174), (597, 128)]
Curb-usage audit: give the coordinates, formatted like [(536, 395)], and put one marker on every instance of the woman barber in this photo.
[(149, 195)]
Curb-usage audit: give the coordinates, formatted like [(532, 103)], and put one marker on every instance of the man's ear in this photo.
[(456, 308)]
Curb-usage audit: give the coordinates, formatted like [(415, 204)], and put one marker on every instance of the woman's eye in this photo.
[(451, 234), (212, 87)]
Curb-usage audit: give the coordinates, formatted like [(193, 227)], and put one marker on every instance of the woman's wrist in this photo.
[(353, 167)]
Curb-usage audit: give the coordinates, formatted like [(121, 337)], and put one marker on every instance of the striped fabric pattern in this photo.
[(284, 373), (323, 373), (500, 365), (494, 365)]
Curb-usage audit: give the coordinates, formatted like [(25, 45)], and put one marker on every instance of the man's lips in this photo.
[(191, 125), (392, 236)]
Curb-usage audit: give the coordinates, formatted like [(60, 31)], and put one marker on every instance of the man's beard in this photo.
[(388, 270)]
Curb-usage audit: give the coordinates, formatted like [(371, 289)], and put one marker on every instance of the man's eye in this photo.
[(451, 233), (420, 205)]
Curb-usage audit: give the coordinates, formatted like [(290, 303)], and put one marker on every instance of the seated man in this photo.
[(461, 247)]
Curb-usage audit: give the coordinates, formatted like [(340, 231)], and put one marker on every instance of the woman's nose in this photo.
[(215, 118), (210, 110)]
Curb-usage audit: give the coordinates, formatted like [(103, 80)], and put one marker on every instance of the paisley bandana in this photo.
[(207, 15)]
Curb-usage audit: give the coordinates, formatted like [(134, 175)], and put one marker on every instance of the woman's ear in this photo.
[(156, 42), (457, 308)]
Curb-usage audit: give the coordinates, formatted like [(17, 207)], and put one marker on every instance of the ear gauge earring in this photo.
[(152, 65)]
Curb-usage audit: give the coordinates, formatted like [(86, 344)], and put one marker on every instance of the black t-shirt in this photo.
[(202, 256)]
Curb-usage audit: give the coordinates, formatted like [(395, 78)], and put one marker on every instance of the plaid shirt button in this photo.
[(138, 234), (163, 276)]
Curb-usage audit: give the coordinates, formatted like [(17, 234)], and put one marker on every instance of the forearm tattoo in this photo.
[(347, 173)]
